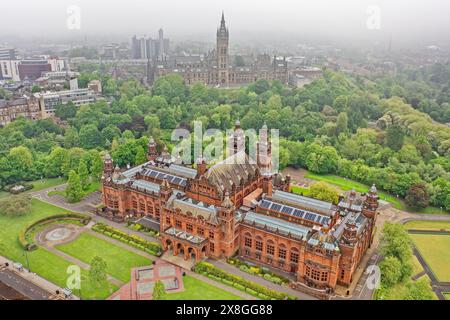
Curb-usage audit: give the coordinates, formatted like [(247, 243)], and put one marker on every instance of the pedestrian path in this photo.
[(257, 279)]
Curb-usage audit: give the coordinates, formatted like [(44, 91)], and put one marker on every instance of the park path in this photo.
[(81, 264), (261, 281), (222, 286)]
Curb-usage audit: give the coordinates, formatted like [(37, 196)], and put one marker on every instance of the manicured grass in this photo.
[(428, 225), (198, 290), (427, 210), (94, 186), (347, 184), (119, 261), (301, 191), (436, 251), (42, 262), (398, 291), (447, 295), (39, 185), (46, 183), (54, 268), (417, 267), (10, 227)]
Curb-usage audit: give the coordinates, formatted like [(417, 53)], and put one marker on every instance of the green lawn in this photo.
[(40, 184), (119, 261), (46, 183), (54, 268), (436, 251), (347, 184), (428, 225), (447, 295), (199, 290), (300, 190), (42, 262), (417, 267), (94, 186)]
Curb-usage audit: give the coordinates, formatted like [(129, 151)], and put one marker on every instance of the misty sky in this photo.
[(181, 18)]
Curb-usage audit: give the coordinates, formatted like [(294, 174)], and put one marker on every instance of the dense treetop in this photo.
[(363, 129)]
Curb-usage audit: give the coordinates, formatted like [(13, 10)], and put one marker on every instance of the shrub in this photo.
[(15, 205), (251, 287), (133, 240), (28, 244)]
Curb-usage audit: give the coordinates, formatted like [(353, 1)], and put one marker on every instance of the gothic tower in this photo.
[(264, 151), (222, 53)]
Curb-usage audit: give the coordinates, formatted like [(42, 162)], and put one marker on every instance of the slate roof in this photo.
[(275, 224), (232, 171)]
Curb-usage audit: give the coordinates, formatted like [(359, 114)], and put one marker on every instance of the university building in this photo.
[(239, 207), (216, 68)]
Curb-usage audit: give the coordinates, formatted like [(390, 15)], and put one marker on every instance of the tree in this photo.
[(66, 111), (54, 162), (417, 196), (159, 291), (418, 290), (324, 191), (96, 166), (395, 137), (74, 190), (97, 272), (321, 159), (83, 173), (390, 269), (396, 242), (15, 205), (140, 156), (90, 137)]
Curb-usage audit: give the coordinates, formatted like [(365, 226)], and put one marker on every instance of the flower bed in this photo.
[(29, 245), (141, 228), (258, 271), (134, 241), (242, 284)]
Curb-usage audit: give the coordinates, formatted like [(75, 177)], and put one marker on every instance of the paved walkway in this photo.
[(257, 279), (222, 286), (80, 263), (28, 284)]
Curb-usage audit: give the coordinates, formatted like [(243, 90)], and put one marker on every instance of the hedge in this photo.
[(30, 245), (250, 287), (134, 241), (255, 270)]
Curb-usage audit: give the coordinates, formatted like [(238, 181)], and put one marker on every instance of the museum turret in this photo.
[(226, 213), (108, 167), (152, 153)]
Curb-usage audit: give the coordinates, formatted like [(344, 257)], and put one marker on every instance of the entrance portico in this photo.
[(184, 244)]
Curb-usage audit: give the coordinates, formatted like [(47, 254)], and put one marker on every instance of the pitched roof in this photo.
[(234, 170)]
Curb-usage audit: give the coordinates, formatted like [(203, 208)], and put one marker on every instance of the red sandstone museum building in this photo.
[(243, 209)]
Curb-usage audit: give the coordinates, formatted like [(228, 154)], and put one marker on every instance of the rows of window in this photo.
[(190, 228), (315, 274), (270, 249)]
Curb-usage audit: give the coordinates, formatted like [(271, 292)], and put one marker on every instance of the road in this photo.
[(23, 286)]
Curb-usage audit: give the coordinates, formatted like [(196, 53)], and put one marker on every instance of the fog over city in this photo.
[(406, 21)]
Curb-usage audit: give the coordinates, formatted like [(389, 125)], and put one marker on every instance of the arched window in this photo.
[(134, 203), (270, 247), (294, 255), (259, 244), (282, 252), (248, 241)]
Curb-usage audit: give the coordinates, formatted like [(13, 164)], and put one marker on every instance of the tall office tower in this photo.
[(161, 44)]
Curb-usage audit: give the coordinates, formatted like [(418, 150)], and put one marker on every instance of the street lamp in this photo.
[(25, 254)]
